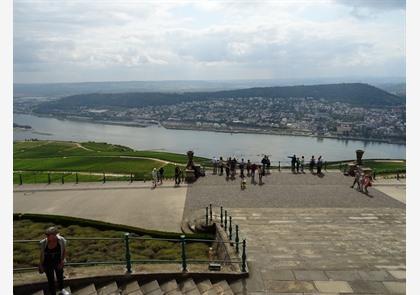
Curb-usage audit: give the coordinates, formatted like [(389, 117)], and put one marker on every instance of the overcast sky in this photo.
[(76, 41)]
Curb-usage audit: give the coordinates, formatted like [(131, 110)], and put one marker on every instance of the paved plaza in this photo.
[(312, 235)]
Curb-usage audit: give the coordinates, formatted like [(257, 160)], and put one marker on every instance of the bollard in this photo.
[(237, 239), (211, 214), (230, 228), (244, 256), (127, 253), (207, 215), (103, 178), (49, 178), (62, 179), (225, 220), (184, 257), (77, 178), (20, 179), (221, 216)]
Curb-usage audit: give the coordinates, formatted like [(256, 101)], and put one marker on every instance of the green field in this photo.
[(27, 254), (33, 160)]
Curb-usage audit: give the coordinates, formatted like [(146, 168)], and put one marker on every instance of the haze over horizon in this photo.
[(74, 41)]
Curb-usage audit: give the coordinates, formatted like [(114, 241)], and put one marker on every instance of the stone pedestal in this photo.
[(190, 176)]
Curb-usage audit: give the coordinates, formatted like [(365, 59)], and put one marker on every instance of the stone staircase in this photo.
[(170, 287)]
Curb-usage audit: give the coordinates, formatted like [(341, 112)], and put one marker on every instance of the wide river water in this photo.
[(203, 143)]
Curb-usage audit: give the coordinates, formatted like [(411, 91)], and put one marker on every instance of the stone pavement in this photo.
[(122, 203), (311, 235)]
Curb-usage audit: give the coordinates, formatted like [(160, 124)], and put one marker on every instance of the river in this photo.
[(203, 143)]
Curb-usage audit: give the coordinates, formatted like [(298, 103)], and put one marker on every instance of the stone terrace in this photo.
[(312, 235)]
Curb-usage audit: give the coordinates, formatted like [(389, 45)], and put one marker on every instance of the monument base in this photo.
[(190, 176)]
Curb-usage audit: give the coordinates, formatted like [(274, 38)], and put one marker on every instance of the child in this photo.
[(243, 184)]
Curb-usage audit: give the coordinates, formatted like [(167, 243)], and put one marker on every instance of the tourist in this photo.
[(312, 164), (221, 166), (52, 258), (177, 175), (234, 162), (297, 165), (319, 165), (367, 181), (248, 168), (293, 162), (268, 163), (154, 177), (302, 163), (214, 162), (161, 171), (241, 168), (263, 162), (357, 179), (227, 170), (243, 183), (260, 175), (253, 169)]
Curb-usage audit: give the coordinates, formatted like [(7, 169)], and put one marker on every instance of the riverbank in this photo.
[(219, 130)]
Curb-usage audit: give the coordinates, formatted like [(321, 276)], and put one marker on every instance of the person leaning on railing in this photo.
[(52, 258)]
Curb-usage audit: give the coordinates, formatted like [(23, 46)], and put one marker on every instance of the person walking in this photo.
[(263, 162), (221, 166), (227, 170), (357, 175), (268, 164), (302, 164), (312, 164), (154, 177), (52, 258), (161, 171), (253, 169), (177, 175), (297, 165)]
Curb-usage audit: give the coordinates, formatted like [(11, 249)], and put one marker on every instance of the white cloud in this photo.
[(140, 40)]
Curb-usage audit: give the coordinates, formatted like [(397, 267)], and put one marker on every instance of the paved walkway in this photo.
[(136, 205), (311, 235)]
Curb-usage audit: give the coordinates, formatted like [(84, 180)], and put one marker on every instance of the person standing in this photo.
[(248, 168), (293, 162), (312, 164), (52, 258), (154, 177), (297, 165), (302, 164), (221, 166), (268, 164), (161, 171), (319, 165), (227, 170), (260, 175), (241, 168), (253, 169), (263, 162), (214, 162), (177, 175)]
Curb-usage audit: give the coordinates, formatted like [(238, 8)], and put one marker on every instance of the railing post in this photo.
[(183, 255), (244, 256), (211, 214), (221, 216), (20, 179), (103, 178), (49, 178), (279, 166), (62, 179), (230, 228), (127, 253), (207, 215), (225, 220), (77, 178), (237, 239)]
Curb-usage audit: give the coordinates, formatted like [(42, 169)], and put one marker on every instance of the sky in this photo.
[(78, 41)]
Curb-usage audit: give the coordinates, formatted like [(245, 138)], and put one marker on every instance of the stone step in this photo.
[(151, 288), (132, 288), (109, 289), (189, 287), (88, 290), (238, 287), (222, 288), (170, 287), (206, 288)]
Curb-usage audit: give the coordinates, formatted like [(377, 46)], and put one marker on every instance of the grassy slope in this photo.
[(384, 166), (89, 157), (27, 254)]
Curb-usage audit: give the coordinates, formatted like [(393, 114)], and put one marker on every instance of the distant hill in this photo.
[(357, 94)]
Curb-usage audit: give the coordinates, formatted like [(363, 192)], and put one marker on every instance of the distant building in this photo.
[(344, 128)]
